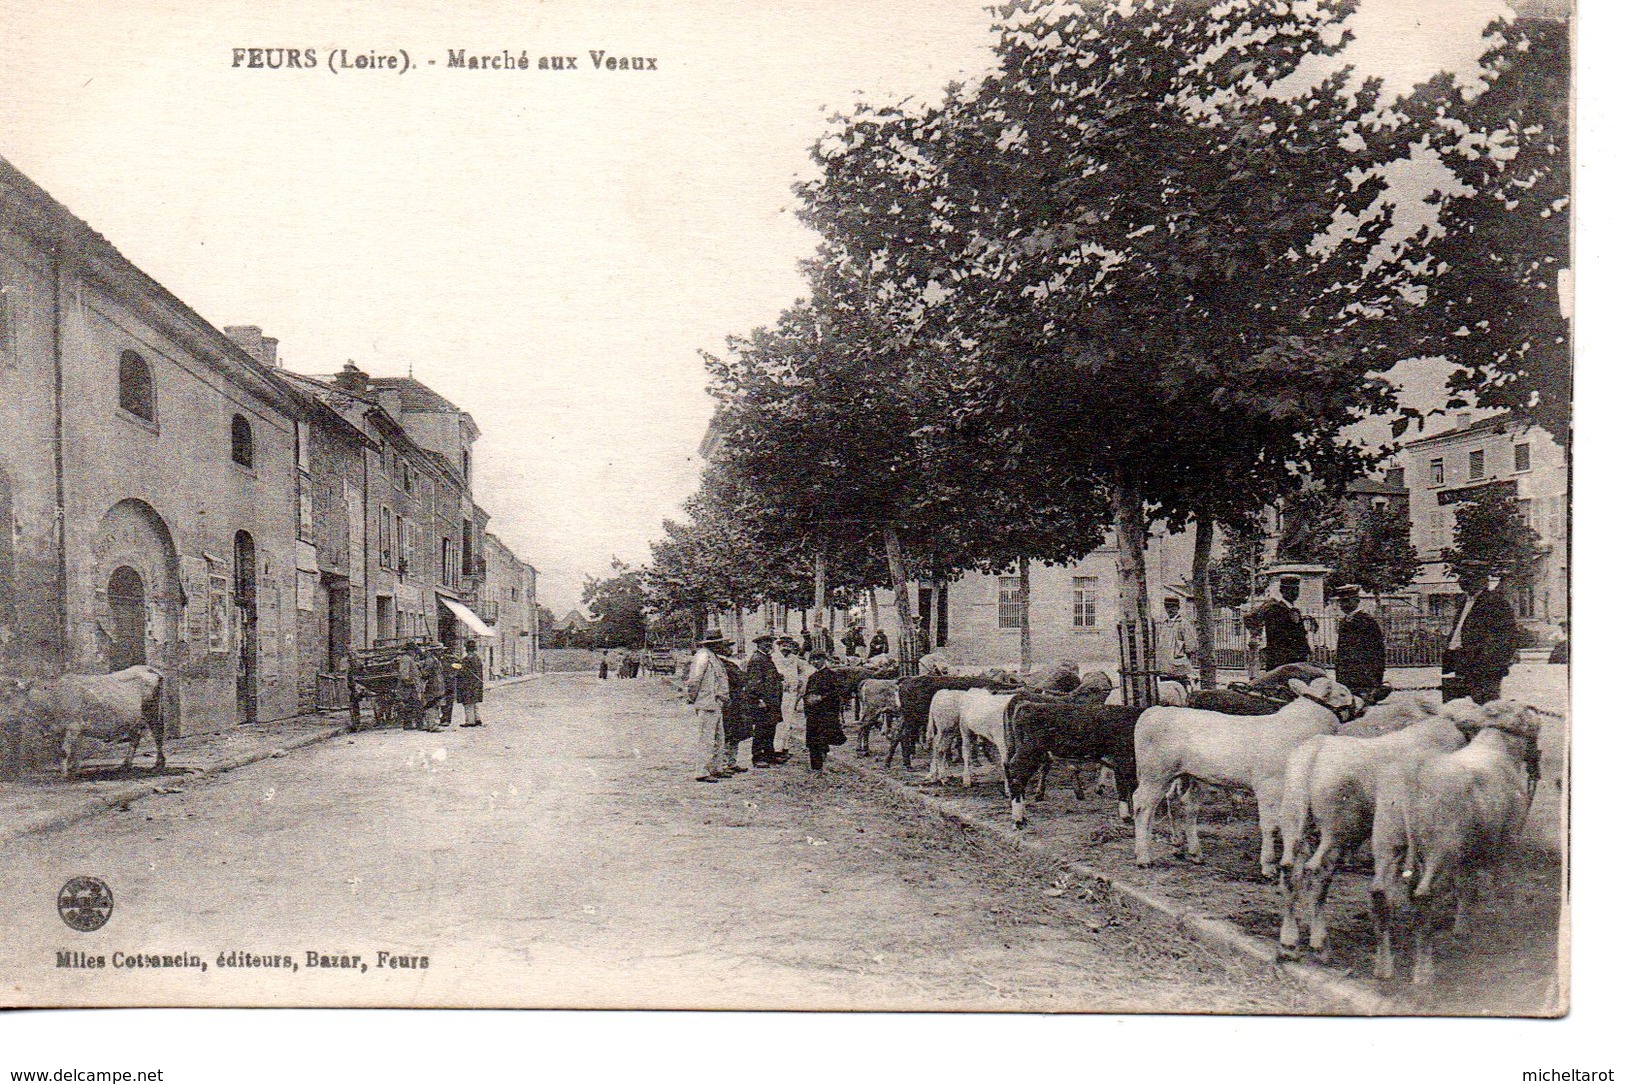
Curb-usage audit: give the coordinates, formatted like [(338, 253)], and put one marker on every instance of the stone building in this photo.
[(508, 605), (419, 520), (149, 474), (1472, 457)]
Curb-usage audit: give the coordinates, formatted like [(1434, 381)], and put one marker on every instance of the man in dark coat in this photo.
[(880, 645), (736, 728), (1485, 640), (825, 690), (1360, 647), (1282, 623), (764, 697), (470, 684)]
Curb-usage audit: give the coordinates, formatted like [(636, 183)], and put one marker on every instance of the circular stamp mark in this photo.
[(85, 903)]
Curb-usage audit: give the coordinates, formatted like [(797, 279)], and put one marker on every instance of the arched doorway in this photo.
[(127, 602), (245, 595), (135, 601)]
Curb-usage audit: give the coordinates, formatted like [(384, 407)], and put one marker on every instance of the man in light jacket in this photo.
[(708, 692)]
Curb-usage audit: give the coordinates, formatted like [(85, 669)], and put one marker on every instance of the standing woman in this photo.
[(470, 683)]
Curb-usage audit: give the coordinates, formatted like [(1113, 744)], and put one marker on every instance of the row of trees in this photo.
[(1126, 277)]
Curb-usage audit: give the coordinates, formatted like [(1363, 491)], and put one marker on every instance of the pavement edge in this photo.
[(1348, 997)]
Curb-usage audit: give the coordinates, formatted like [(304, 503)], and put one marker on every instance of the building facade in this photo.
[(150, 465), (1473, 457), (508, 605)]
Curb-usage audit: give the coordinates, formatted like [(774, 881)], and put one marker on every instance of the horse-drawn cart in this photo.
[(372, 674)]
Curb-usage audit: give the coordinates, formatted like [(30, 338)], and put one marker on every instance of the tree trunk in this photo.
[(739, 626), (1207, 667), (1024, 570), (819, 576), (1136, 640), (899, 581), (874, 614)]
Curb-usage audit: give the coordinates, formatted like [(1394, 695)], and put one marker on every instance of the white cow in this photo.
[(982, 714), (942, 719), (1330, 791), (1442, 821), (1245, 751), (108, 707)]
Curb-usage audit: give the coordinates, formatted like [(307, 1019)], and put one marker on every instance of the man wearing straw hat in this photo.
[(708, 692)]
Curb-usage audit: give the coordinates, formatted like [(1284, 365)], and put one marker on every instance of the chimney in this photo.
[(254, 342), (352, 379), (1464, 419)]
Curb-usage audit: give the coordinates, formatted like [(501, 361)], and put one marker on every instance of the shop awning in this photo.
[(466, 616)]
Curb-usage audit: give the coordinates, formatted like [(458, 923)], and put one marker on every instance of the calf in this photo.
[(981, 714), (1443, 820), (108, 707), (914, 704), (1102, 733), (1330, 789), (942, 722), (1228, 751), (877, 702)]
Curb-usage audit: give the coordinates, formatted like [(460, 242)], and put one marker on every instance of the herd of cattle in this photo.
[(1439, 792)]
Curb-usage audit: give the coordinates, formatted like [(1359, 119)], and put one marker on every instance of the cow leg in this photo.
[(1422, 969), (1147, 796), (158, 727), (1320, 883), (1383, 920), (1043, 778), (1125, 782), (1269, 826), (1288, 940), (135, 743), (1027, 762), (1182, 803), (967, 747)]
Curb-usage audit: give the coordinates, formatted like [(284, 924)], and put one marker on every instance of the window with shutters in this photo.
[(1520, 457), (1475, 465), (386, 529), (1436, 472), (242, 441)]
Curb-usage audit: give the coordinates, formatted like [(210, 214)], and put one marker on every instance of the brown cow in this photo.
[(108, 707)]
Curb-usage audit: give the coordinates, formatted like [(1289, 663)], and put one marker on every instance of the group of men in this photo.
[(426, 688), (759, 702), (1479, 654)]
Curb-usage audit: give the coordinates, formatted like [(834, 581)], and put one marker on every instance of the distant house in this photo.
[(1474, 457)]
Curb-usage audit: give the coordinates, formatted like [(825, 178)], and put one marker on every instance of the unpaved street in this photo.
[(563, 855)]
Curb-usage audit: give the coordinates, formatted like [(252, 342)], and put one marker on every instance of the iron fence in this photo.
[(1410, 638)]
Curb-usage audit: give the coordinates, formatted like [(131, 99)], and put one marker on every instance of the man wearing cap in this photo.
[(764, 695), (1360, 661), (825, 691), (880, 645), (1176, 641), (707, 688), (1485, 640)]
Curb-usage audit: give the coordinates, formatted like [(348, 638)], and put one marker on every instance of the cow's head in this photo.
[(1330, 695)]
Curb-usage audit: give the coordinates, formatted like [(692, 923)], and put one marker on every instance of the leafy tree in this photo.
[(1232, 576), (617, 605), (546, 626), (1123, 216), (1491, 538), (1376, 552), (1491, 301)]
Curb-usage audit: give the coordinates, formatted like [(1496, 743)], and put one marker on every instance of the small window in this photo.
[(1436, 472), (1009, 602), (1475, 465), (1520, 457), (135, 385), (1085, 602), (242, 441), (386, 525), (1526, 512), (1379, 504), (466, 464)]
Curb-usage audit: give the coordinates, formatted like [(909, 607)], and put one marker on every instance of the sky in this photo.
[(549, 249)]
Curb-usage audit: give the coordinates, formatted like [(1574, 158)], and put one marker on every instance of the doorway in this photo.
[(127, 599), (338, 627)]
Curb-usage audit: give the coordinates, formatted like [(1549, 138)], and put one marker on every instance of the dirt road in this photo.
[(563, 855)]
